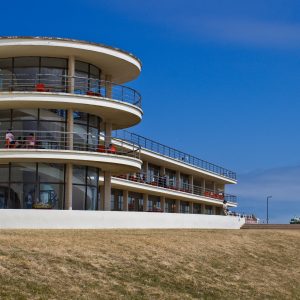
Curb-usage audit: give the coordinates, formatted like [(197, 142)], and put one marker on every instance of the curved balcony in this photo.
[(172, 184), (66, 147), (119, 104)]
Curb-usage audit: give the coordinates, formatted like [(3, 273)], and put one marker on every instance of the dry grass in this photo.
[(147, 264)]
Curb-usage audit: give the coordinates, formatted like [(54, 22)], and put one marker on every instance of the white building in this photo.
[(63, 111)]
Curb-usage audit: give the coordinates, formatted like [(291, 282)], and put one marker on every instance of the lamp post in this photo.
[(269, 197)]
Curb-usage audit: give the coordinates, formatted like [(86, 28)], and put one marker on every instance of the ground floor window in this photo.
[(154, 203), (42, 186), (218, 210), (197, 208), (208, 209), (135, 202), (116, 202), (184, 207), (170, 206)]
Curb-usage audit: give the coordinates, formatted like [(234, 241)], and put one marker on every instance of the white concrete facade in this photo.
[(64, 219)]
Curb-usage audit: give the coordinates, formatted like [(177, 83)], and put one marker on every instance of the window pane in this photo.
[(81, 67), (51, 173), (23, 172), (91, 198), (54, 62), (29, 61), (5, 64), (92, 176), (58, 115), (4, 191), (4, 171), (78, 197), (50, 196), (79, 174), (25, 114)]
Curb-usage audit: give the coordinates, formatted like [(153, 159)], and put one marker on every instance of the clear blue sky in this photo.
[(220, 79)]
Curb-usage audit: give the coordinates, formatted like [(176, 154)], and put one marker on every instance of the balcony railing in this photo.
[(175, 154), (67, 84), (173, 184), (57, 140)]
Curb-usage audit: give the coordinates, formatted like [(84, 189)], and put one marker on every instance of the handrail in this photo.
[(57, 140), (173, 184), (167, 151), (69, 84)]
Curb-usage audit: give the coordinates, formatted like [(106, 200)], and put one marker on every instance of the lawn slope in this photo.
[(147, 264)]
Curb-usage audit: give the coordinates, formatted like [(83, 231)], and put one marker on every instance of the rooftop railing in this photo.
[(65, 84), (56, 140), (173, 184), (174, 154)]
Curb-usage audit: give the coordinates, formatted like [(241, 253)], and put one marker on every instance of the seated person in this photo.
[(30, 141)]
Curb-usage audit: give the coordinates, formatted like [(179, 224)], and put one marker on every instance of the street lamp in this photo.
[(269, 197)]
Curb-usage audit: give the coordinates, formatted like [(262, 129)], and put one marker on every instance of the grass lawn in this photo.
[(149, 264)]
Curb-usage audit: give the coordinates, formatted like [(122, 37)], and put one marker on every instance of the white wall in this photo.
[(65, 219)]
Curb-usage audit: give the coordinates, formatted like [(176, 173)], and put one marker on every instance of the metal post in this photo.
[(268, 208)]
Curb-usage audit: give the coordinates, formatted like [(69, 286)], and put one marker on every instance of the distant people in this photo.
[(225, 208), (9, 139), (112, 149), (30, 141)]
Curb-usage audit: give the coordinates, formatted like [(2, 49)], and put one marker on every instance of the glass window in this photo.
[(5, 64), (92, 176), (4, 195), (184, 207), (197, 208), (154, 203), (170, 206), (24, 62), (49, 196), (50, 173), (78, 197), (135, 202), (4, 173), (25, 114), (23, 172), (91, 198), (53, 62), (116, 199), (79, 175)]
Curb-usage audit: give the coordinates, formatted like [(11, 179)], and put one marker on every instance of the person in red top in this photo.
[(112, 149)]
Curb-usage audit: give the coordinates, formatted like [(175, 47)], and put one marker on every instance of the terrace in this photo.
[(175, 154), (180, 186)]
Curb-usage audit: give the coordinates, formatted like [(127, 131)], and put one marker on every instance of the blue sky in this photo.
[(220, 79)]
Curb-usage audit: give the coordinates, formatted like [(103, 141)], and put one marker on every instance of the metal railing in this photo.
[(69, 84), (57, 140), (175, 154), (173, 184)]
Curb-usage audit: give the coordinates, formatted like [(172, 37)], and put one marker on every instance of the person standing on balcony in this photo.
[(9, 139)]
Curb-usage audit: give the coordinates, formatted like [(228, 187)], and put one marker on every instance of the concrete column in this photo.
[(108, 133), (191, 207), (145, 169), (108, 86), (125, 200), (101, 206), (177, 210), (191, 183), (162, 203), (107, 190), (178, 181), (145, 203), (203, 186), (71, 74), (69, 186), (70, 129)]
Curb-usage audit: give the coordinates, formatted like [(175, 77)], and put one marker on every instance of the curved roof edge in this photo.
[(73, 40)]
